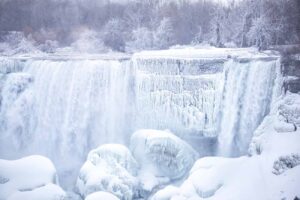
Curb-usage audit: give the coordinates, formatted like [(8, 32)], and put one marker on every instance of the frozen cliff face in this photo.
[(29, 178), (163, 157), (177, 94), (109, 168)]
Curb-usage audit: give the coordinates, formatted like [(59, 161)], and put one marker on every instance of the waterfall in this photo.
[(245, 101), (64, 108)]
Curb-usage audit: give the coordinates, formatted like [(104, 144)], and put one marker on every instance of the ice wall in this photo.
[(177, 94)]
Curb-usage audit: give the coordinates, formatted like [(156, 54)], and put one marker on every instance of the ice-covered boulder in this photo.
[(162, 155), (101, 196), (32, 177), (109, 168)]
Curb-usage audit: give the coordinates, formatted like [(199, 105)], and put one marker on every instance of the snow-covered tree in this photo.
[(260, 33), (113, 35), (89, 41), (164, 35), (142, 38)]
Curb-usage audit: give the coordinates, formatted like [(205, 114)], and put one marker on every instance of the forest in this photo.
[(99, 26)]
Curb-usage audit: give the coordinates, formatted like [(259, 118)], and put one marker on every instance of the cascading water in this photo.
[(64, 108), (246, 98)]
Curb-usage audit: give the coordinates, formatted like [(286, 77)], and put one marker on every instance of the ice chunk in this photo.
[(27, 178), (162, 156), (101, 195), (110, 168)]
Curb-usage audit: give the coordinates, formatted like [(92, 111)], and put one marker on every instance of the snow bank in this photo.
[(110, 168), (101, 195), (162, 155), (32, 177)]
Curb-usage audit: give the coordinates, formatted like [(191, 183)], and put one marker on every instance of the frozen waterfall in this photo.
[(246, 97), (64, 108)]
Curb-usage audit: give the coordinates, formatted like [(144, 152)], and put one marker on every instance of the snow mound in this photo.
[(101, 195), (163, 156), (110, 168), (31, 178), (47, 192)]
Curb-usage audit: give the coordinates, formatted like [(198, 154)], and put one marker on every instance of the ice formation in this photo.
[(163, 157), (29, 178), (110, 168)]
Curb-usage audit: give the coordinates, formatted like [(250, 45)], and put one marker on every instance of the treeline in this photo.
[(152, 24)]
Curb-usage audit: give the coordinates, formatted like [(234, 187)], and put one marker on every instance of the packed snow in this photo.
[(29, 178)]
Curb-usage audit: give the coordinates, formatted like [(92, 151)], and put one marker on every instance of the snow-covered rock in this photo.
[(286, 162), (289, 108), (31, 178), (162, 155), (101, 196), (110, 168)]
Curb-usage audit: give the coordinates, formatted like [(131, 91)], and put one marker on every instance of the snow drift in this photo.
[(29, 178)]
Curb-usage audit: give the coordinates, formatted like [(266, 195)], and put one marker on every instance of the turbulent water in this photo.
[(62, 109)]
